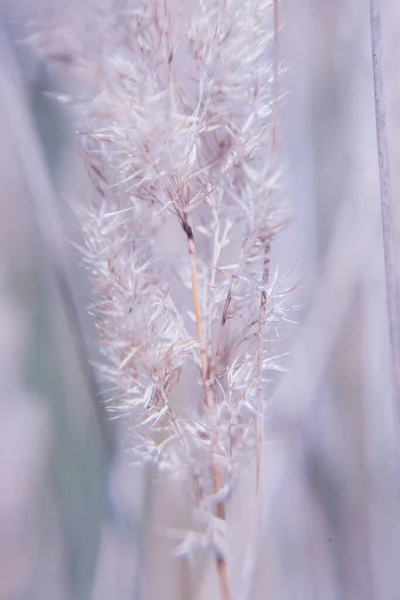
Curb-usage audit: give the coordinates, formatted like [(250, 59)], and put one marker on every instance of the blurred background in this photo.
[(77, 520)]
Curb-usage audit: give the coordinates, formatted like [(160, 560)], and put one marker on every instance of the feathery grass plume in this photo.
[(177, 127)]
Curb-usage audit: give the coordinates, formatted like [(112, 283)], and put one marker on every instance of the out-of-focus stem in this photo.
[(209, 393), (260, 395), (389, 241), (275, 84), (255, 532), (266, 264)]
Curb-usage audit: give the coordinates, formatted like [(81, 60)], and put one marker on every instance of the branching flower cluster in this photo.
[(176, 129)]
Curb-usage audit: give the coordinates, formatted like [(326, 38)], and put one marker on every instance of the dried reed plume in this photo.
[(178, 130)]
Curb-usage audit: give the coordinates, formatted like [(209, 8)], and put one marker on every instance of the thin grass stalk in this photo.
[(389, 240), (209, 394), (266, 267), (257, 517)]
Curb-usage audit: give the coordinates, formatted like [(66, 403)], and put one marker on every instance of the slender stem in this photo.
[(389, 241), (262, 323), (261, 336), (266, 263), (276, 82), (196, 304), (223, 577), (210, 401), (255, 530), (265, 276)]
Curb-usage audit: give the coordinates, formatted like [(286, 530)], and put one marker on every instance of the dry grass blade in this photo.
[(389, 242)]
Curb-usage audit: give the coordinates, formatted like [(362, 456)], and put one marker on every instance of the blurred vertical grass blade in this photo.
[(55, 368), (389, 236)]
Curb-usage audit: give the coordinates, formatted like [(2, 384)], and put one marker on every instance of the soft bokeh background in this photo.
[(77, 521)]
